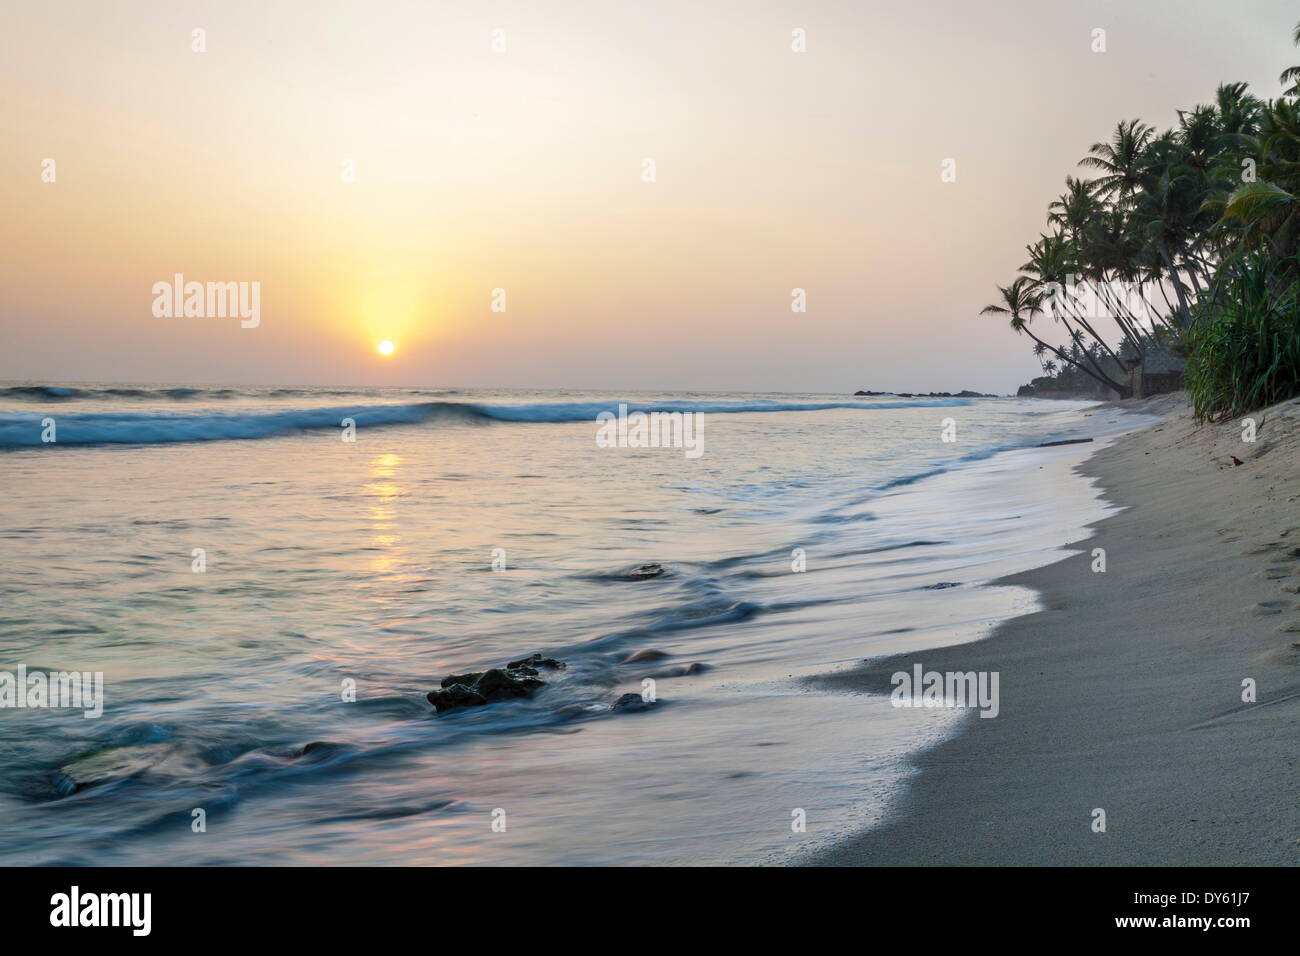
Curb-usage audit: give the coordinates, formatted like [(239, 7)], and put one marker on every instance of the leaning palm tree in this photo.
[(1052, 262), (1021, 301)]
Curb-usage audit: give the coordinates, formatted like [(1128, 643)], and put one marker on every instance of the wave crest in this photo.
[(83, 428)]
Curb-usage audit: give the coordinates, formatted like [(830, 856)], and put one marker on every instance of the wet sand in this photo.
[(1125, 692)]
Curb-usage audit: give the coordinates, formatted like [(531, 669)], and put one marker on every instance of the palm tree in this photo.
[(1269, 209), (1170, 215), (1021, 301), (1120, 161), (1238, 112), (1053, 260), (1074, 208), (1113, 255), (1170, 206)]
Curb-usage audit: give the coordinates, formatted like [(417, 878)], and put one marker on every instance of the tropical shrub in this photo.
[(1244, 343)]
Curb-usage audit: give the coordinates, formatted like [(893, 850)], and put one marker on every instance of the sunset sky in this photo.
[(522, 170)]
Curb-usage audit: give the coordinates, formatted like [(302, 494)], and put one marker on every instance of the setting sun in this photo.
[(385, 347)]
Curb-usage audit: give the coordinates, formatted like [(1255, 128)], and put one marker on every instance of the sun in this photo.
[(385, 347)]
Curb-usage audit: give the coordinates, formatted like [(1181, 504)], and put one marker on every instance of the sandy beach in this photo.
[(1124, 692)]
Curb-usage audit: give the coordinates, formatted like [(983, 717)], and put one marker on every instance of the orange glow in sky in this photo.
[(380, 169)]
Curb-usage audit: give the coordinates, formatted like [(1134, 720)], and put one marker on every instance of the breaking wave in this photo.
[(83, 428)]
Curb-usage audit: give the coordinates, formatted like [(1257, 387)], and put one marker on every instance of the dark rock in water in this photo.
[(644, 573), (469, 680), (536, 660), (645, 654), (497, 684), (943, 584), (629, 702), (516, 679), (457, 695)]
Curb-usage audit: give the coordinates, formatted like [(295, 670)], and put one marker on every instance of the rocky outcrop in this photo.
[(475, 689)]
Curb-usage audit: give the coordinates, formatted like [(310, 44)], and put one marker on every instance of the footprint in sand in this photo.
[(1270, 607), (1264, 549), (1274, 574), (1285, 556)]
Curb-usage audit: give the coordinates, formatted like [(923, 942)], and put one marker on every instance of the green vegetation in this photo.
[(1184, 240), (1244, 347)]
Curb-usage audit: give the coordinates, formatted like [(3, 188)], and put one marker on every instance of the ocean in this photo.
[(269, 603)]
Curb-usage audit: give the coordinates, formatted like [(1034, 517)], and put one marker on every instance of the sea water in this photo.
[(269, 603)]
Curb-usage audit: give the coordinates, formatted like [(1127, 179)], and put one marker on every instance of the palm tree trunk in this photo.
[(1100, 377), (1074, 337), (1185, 316)]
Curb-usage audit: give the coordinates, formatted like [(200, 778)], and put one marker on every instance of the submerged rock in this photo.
[(106, 766), (644, 572), (319, 750), (685, 670), (516, 679), (645, 654), (630, 702)]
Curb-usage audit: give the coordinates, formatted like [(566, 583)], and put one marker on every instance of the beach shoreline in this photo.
[(1124, 693)]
